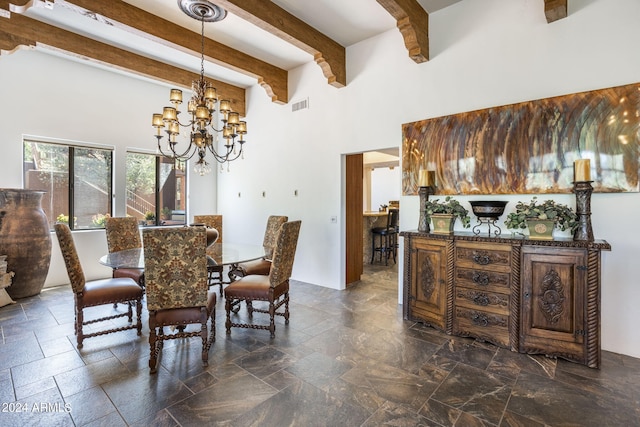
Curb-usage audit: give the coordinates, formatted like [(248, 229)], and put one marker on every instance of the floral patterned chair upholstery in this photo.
[(213, 221), (177, 289), (273, 288), (214, 271), (97, 292), (263, 266), (122, 234)]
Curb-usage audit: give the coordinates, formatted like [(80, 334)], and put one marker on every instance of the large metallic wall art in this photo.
[(529, 147)]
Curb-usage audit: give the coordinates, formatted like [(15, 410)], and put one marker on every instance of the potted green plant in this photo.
[(98, 220), (64, 219), (546, 216), (444, 213), (150, 217), (165, 213)]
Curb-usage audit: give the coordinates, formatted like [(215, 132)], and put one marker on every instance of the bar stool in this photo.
[(386, 237)]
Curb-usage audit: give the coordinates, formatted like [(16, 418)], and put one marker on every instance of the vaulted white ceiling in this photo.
[(258, 42), (344, 21)]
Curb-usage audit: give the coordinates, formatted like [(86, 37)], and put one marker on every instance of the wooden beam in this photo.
[(413, 23), (555, 9), (273, 80), (21, 30), (328, 54)]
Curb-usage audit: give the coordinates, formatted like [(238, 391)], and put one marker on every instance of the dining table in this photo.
[(218, 254)]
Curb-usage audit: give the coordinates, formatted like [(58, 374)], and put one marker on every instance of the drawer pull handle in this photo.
[(481, 299), (481, 279), (480, 319), (481, 258)]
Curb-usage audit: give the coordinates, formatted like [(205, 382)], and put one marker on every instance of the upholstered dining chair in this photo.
[(273, 288), (263, 265), (97, 292), (214, 271), (122, 234), (177, 289)]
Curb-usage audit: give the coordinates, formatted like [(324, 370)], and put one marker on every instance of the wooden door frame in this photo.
[(353, 191)]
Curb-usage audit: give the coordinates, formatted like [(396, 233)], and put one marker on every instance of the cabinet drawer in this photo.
[(492, 257), (483, 325), (482, 279), (481, 300)]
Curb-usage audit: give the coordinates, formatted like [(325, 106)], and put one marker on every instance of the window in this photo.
[(76, 181), (155, 189)]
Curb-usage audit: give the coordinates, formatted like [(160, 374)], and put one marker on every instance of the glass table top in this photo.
[(217, 254)]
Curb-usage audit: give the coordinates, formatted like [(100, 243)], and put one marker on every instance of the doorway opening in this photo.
[(373, 182)]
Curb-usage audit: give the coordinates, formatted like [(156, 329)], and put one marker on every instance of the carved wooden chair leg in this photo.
[(79, 321), (235, 305), (272, 315), (153, 352), (204, 332), (160, 342), (286, 308), (212, 333), (75, 322), (250, 308), (139, 316), (228, 307)]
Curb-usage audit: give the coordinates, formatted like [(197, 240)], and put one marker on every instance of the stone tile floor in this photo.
[(347, 358)]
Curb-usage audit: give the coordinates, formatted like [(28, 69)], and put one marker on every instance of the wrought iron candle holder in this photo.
[(423, 222), (583, 190)]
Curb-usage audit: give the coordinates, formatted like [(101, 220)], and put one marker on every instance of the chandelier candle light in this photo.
[(201, 108)]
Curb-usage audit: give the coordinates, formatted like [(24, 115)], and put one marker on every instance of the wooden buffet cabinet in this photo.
[(530, 296)]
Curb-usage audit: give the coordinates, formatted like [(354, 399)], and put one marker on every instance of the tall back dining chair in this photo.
[(263, 265), (177, 290), (215, 272), (97, 292), (122, 234), (273, 288), (384, 239)]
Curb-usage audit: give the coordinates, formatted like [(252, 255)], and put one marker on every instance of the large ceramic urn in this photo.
[(25, 240)]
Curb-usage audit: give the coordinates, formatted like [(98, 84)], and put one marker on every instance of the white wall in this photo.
[(483, 54), (386, 185)]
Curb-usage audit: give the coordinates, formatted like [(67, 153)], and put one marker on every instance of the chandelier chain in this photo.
[(202, 46)]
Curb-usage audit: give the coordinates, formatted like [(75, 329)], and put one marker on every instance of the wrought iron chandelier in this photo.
[(201, 109)]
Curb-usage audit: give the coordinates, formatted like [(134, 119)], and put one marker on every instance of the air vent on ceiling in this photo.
[(300, 105)]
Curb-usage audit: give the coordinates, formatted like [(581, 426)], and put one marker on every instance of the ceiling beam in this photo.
[(19, 30), (555, 9), (413, 22), (273, 80), (328, 54)]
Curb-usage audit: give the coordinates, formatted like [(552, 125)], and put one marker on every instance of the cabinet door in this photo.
[(553, 302), (430, 293)]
